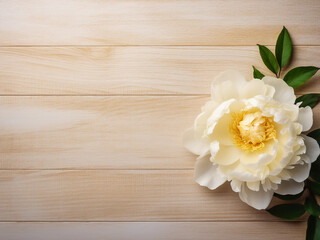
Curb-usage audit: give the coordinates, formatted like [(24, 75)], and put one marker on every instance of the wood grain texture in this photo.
[(154, 230), (48, 132), (117, 195), (144, 22), (80, 158), (132, 70)]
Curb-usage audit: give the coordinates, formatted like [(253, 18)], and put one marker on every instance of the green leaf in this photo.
[(299, 75), (287, 211), (313, 229), (315, 170), (288, 196), (269, 59), (257, 74), (283, 47), (314, 187), (312, 206), (311, 100)]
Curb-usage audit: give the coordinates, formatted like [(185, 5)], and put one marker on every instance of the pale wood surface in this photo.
[(155, 22), (117, 195), (132, 70), (81, 159), (90, 132), (153, 230)]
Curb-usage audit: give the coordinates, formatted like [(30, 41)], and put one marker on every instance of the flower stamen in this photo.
[(251, 130)]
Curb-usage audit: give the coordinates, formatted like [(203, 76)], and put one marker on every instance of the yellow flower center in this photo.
[(251, 130)]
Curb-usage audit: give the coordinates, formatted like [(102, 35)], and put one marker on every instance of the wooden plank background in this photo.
[(94, 98)]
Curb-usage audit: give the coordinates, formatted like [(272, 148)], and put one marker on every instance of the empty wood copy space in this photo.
[(95, 96)]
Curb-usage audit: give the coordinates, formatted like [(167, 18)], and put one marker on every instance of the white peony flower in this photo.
[(249, 134)]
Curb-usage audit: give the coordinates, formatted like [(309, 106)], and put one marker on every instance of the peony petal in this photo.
[(300, 146), (221, 110), (256, 87), (200, 123), (301, 172), (257, 199), (221, 131), (214, 149), (208, 175), (226, 155), (290, 187), (281, 113), (305, 118), (194, 142), (254, 186), (237, 171), (283, 93), (261, 158), (227, 85), (235, 185), (313, 150)]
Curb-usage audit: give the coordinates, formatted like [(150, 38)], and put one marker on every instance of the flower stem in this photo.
[(278, 74)]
